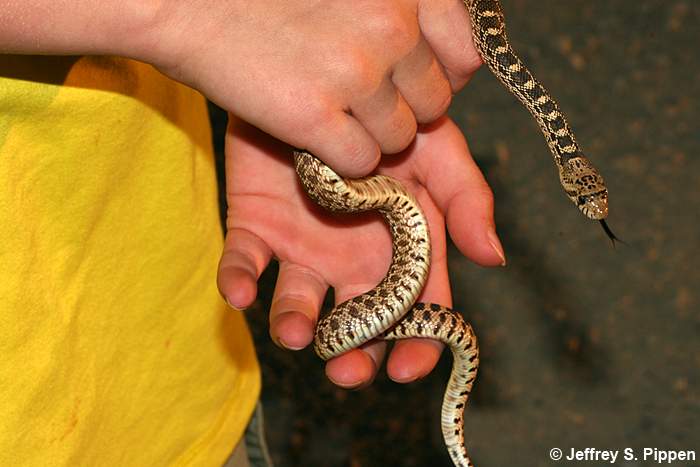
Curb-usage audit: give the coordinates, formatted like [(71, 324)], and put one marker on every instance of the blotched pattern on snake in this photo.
[(389, 310)]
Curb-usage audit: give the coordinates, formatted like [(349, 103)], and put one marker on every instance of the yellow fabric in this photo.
[(115, 347)]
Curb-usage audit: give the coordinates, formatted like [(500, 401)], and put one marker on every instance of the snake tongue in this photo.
[(613, 238)]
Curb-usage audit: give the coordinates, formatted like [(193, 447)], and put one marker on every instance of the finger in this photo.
[(341, 141), (358, 367), (387, 117), (296, 303), (412, 359), (447, 28), (446, 168), (422, 82), (244, 258)]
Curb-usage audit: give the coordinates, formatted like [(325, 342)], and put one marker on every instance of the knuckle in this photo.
[(485, 195), (437, 104), (387, 24), (401, 132), (359, 72), (359, 158)]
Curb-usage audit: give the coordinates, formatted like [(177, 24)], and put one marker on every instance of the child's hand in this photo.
[(269, 214)]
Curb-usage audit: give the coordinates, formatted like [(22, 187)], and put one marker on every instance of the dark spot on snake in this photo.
[(521, 76), (472, 358), (419, 306), (567, 156), (334, 324), (426, 316), (556, 124), (489, 5), (494, 42), (459, 406), (547, 107), (506, 59), (489, 22), (564, 141), (536, 92), (470, 380), (435, 307)]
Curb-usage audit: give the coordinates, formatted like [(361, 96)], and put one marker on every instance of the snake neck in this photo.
[(580, 180), (489, 31)]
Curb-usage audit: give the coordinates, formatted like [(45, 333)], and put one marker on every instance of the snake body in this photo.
[(389, 310)]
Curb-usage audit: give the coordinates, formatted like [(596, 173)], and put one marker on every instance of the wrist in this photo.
[(131, 30)]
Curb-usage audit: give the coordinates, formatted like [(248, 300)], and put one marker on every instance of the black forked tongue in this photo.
[(613, 238)]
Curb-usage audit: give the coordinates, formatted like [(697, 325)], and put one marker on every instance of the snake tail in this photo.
[(443, 324)]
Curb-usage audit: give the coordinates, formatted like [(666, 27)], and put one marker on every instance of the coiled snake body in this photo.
[(389, 310)]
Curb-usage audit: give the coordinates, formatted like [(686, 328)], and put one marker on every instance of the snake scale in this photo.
[(389, 310)]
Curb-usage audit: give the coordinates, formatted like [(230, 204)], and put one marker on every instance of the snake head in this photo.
[(585, 187)]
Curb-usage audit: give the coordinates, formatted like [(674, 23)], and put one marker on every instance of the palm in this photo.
[(347, 251), (269, 214)]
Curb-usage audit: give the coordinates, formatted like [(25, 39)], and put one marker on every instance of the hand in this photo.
[(269, 214), (346, 80)]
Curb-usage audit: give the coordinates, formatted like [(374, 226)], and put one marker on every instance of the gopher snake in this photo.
[(389, 310)]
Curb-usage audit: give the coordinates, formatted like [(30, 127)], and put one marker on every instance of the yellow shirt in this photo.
[(115, 346)]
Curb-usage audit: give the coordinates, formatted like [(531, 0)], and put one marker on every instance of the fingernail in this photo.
[(351, 386), (408, 379), (299, 332), (496, 245), (235, 307), (282, 343)]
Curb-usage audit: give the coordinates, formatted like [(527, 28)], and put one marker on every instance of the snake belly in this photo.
[(389, 311)]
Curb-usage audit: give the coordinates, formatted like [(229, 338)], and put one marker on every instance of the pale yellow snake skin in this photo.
[(389, 310)]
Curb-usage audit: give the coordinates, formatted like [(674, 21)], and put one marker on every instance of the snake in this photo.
[(389, 311)]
